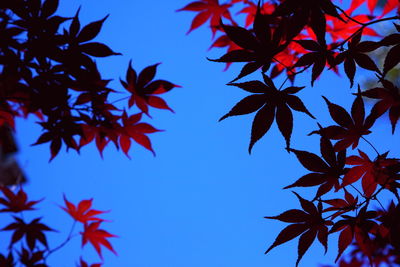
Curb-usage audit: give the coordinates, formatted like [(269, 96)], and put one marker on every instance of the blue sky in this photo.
[(200, 202)]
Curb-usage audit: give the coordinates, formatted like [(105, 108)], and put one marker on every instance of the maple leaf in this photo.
[(258, 47), (208, 10), (132, 129), (307, 222), (308, 12), (319, 57), (365, 169), (15, 202), (356, 3), (78, 45), (59, 129), (391, 5), (144, 90), (356, 54), (269, 102), (356, 227), (389, 227), (351, 128), (341, 30), (102, 132), (341, 205), (82, 213), (371, 172), (326, 171), (33, 232), (224, 41), (282, 62), (97, 237)]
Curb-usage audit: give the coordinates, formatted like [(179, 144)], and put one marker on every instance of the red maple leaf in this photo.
[(97, 237), (371, 172), (132, 129), (341, 205), (251, 10), (224, 41), (15, 202), (102, 132), (144, 90), (341, 30), (208, 9), (356, 3), (391, 5), (82, 213)]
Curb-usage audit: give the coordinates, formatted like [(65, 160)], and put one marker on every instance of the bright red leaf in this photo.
[(208, 10), (97, 237), (83, 212), (144, 90)]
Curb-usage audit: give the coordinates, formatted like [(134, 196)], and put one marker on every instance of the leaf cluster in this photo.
[(289, 37), (29, 246), (49, 69)]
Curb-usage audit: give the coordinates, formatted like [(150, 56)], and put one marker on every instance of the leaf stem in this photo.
[(362, 27), (69, 237), (289, 69), (373, 147), (118, 100), (380, 204), (280, 87)]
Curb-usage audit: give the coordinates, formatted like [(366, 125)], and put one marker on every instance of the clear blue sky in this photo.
[(200, 202)]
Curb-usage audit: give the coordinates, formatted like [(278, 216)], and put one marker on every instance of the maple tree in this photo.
[(290, 37)]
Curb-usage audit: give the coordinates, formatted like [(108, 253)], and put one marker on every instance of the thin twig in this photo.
[(288, 68), (349, 17), (280, 87), (383, 208), (69, 237), (361, 28), (118, 100), (368, 142)]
